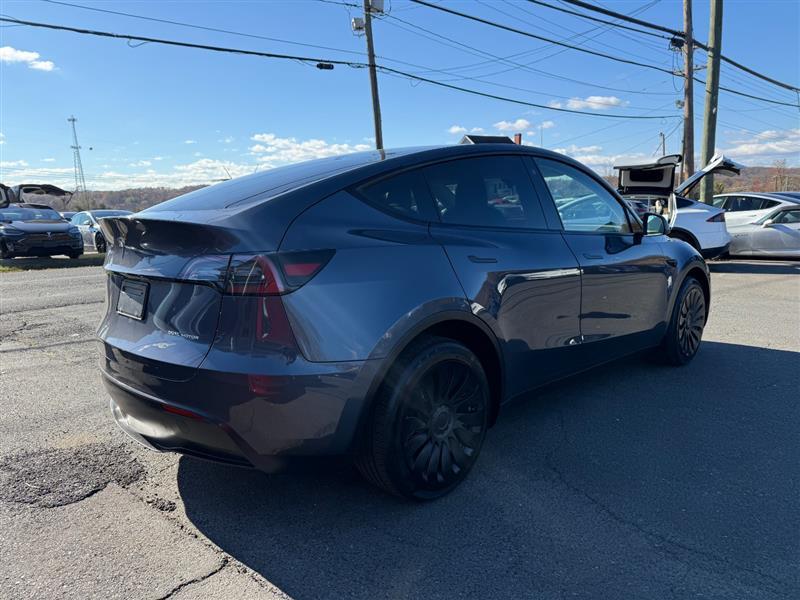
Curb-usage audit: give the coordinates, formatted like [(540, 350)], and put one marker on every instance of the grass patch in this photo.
[(13, 265)]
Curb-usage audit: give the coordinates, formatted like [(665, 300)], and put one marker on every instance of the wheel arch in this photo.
[(462, 327), (685, 235), (702, 277)]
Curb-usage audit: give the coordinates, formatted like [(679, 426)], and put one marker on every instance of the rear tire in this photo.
[(428, 421), (685, 330), (4, 253), (100, 244)]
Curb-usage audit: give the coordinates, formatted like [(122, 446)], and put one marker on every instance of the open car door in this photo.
[(648, 186), (718, 165), (39, 189)]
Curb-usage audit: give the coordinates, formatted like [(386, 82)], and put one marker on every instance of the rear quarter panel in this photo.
[(387, 275)]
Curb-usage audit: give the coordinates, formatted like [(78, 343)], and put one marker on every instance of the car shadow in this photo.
[(632, 480), (756, 267)]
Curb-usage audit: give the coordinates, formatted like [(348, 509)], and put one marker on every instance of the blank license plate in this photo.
[(132, 299)]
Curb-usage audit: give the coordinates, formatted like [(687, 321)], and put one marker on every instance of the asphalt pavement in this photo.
[(630, 481)]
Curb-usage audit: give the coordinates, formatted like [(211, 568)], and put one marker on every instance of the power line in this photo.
[(541, 38), (587, 51), (676, 33), (202, 27), (319, 62)]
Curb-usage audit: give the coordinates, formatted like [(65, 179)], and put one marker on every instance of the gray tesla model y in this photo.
[(382, 304)]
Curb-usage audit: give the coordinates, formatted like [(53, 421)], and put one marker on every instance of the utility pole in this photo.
[(712, 95), (687, 165), (373, 75), (80, 180), (663, 143)]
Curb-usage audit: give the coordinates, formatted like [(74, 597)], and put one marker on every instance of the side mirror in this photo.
[(655, 224), (768, 223)]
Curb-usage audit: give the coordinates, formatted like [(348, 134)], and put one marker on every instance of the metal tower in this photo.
[(80, 180)]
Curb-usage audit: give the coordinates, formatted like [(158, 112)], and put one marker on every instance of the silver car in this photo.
[(775, 234), (88, 224)]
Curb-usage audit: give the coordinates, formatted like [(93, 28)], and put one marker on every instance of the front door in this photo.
[(626, 278), (519, 276)]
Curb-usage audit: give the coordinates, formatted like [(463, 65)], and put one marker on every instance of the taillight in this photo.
[(718, 218), (273, 274), (212, 268)]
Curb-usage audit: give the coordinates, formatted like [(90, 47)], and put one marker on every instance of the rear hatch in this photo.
[(164, 290)]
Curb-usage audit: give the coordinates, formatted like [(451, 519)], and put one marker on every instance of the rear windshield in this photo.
[(266, 184), (28, 214)]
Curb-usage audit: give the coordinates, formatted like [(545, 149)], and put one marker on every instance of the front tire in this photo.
[(428, 421), (100, 244), (685, 330)]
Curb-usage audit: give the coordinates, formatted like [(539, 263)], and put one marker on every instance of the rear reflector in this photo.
[(718, 218)]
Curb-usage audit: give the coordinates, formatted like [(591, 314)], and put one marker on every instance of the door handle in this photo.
[(481, 259), (672, 262), (592, 256)]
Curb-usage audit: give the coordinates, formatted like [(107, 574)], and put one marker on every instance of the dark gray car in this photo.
[(384, 305)]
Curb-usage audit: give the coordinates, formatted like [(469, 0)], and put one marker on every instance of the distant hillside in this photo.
[(135, 199), (752, 179)]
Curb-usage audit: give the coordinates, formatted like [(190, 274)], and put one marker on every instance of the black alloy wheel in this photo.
[(100, 243), (443, 423), (685, 331), (691, 319), (428, 421)]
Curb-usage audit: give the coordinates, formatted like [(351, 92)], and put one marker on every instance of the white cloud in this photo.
[(2, 138), (273, 151), (595, 103), (476, 130), (226, 140), (555, 104), (140, 163), (766, 146), (48, 160), (268, 151), (189, 141), (457, 129), (12, 55), (573, 149), (517, 125), (158, 158), (42, 65), (198, 154), (547, 125)]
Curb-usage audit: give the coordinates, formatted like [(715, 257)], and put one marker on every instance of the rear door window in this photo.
[(405, 195), (493, 191)]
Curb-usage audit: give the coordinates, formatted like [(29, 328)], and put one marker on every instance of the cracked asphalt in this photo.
[(629, 481)]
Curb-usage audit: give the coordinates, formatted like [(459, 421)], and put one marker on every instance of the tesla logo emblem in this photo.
[(49, 234)]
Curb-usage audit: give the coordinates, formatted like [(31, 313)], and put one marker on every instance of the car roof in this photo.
[(768, 195)]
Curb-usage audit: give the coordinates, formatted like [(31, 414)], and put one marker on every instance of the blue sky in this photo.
[(156, 115)]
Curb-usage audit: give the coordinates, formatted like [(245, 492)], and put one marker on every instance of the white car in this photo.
[(777, 233), (748, 207), (649, 188)]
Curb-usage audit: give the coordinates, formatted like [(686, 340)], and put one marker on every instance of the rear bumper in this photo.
[(247, 420)]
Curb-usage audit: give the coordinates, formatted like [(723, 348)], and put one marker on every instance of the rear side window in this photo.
[(493, 191), (768, 204), (405, 195), (788, 216), (683, 203)]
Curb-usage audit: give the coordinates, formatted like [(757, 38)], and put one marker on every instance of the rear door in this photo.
[(518, 274), (626, 277), (782, 236)]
